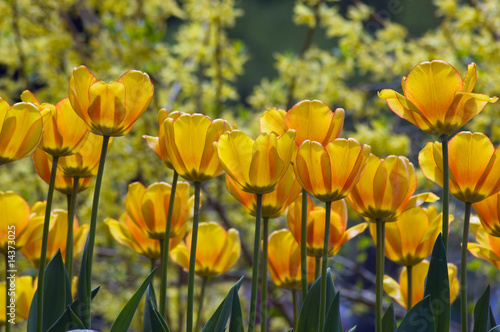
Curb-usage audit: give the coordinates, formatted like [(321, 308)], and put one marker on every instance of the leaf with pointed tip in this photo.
[(481, 312), (419, 318), (492, 319), (153, 320), (229, 307), (389, 320), (122, 322), (333, 322), (437, 285)]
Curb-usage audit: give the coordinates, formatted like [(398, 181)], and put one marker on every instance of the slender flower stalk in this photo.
[(446, 190), (200, 306), (303, 246), (409, 287), (317, 269), (192, 258), (322, 303), (45, 239), (263, 322), (255, 268), (379, 283), (69, 238), (165, 249), (295, 315), (463, 268)]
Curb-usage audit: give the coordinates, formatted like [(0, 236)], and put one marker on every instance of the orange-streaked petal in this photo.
[(311, 120), (273, 121)]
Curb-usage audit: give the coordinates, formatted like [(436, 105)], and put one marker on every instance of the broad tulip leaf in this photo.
[(437, 285), (419, 318), (153, 320), (482, 313), (389, 320), (229, 307), (122, 322), (56, 294), (492, 319), (309, 317), (83, 286), (333, 322)]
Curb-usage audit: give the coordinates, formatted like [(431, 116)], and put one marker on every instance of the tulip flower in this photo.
[(311, 120), (399, 291), (25, 290), (487, 247), (410, 239), (57, 237), (284, 264), (339, 234), (64, 132), (274, 203), (127, 233), (148, 208), (488, 211), (110, 109), (21, 129), (436, 98)]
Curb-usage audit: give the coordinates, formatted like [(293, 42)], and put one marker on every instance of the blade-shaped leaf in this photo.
[(495, 329), (437, 285), (492, 319), (309, 314), (419, 318), (389, 320), (333, 322), (153, 320), (218, 321), (83, 286), (352, 329), (481, 312), (122, 322)]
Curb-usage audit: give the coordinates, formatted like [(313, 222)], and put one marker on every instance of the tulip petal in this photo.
[(180, 255), (430, 160), (266, 166), (391, 287), (273, 121), (335, 126), (470, 77), (107, 107), (230, 252), (311, 120), (211, 242), (133, 203), (235, 154), (4, 108), (79, 86)]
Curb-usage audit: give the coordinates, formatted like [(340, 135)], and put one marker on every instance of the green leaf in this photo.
[(153, 320), (389, 320), (230, 306), (83, 286), (352, 329), (309, 317), (495, 329), (492, 319), (56, 294), (482, 313), (333, 322), (122, 322), (418, 318), (437, 285)]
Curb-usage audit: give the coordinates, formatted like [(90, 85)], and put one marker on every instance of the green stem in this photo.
[(153, 264), (165, 247), (303, 245), (317, 267), (69, 235), (45, 240), (463, 268), (255, 268), (7, 297), (192, 257), (263, 303), (322, 302), (200, 307), (93, 227), (294, 301), (409, 287), (446, 191), (379, 273)]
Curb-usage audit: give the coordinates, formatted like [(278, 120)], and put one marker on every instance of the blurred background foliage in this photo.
[(236, 59)]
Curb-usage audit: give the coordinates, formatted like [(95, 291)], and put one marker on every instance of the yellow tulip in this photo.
[(189, 140), (311, 120), (399, 291), (64, 132), (256, 166), (85, 162), (410, 239), (274, 203), (25, 290), (57, 236), (330, 172), (385, 190), (488, 211), (436, 98), (21, 129), (127, 233), (148, 208), (284, 261), (474, 166), (218, 250), (159, 144), (15, 221), (110, 109), (487, 247), (63, 184)]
